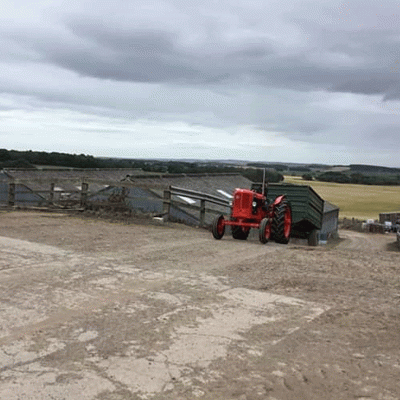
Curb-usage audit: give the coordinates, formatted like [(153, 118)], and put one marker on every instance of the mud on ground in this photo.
[(96, 310)]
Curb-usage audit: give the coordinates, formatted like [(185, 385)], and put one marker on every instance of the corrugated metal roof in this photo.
[(47, 174), (206, 183), (229, 196), (328, 207)]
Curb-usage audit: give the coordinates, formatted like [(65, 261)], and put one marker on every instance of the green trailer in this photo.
[(307, 208)]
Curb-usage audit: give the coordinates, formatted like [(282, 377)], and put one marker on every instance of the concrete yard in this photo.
[(109, 311)]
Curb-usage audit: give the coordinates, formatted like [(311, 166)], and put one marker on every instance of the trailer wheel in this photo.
[(218, 227), (265, 230), (282, 224), (313, 238), (239, 234)]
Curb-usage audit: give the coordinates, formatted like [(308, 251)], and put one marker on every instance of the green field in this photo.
[(358, 201)]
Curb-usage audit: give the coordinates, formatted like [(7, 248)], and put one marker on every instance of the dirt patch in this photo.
[(98, 310), (393, 246)]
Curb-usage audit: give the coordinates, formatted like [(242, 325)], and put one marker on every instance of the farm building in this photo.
[(148, 192), (389, 217), (3, 188), (143, 193), (33, 186), (330, 222)]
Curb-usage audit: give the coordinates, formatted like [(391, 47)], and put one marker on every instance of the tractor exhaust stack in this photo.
[(263, 184)]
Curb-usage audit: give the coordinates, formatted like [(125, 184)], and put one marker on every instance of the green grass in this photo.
[(358, 201)]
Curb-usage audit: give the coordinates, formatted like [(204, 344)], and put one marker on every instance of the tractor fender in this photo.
[(278, 200)]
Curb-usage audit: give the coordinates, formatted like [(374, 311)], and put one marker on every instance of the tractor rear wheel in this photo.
[(218, 227), (282, 223), (239, 233), (265, 230)]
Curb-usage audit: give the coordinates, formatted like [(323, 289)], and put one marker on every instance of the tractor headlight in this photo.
[(254, 204)]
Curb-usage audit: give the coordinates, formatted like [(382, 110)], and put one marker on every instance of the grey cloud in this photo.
[(124, 68), (372, 84), (4, 107), (137, 41), (388, 136), (92, 46), (293, 67)]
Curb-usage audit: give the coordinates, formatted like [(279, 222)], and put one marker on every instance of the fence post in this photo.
[(51, 193), (167, 203), (11, 194), (202, 212), (84, 193)]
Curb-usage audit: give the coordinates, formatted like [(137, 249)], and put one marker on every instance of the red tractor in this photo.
[(250, 210)]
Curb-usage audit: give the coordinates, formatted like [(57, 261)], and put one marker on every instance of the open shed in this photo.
[(330, 222)]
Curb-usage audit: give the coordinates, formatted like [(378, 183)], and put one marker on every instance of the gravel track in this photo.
[(97, 310)]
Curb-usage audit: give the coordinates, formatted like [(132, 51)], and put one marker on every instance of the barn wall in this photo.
[(330, 222), (392, 217)]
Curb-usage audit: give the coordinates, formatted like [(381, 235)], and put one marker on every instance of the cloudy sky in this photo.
[(292, 81)]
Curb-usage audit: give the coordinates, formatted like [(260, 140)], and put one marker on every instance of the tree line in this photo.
[(29, 159), (373, 169), (283, 167), (356, 178), (32, 159)]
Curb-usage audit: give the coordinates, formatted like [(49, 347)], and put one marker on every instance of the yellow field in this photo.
[(358, 201)]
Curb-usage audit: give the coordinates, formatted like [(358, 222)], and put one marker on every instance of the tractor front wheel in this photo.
[(218, 227), (282, 225), (239, 233), (264, 233)]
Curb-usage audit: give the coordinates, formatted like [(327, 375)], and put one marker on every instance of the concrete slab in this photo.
[(74, 325)]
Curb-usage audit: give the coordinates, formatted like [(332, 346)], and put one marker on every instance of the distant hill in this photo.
[(372, 169), (32, 159)]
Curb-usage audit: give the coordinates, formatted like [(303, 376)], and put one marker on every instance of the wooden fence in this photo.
[(192, 194), (50, 192), (84, 192)]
